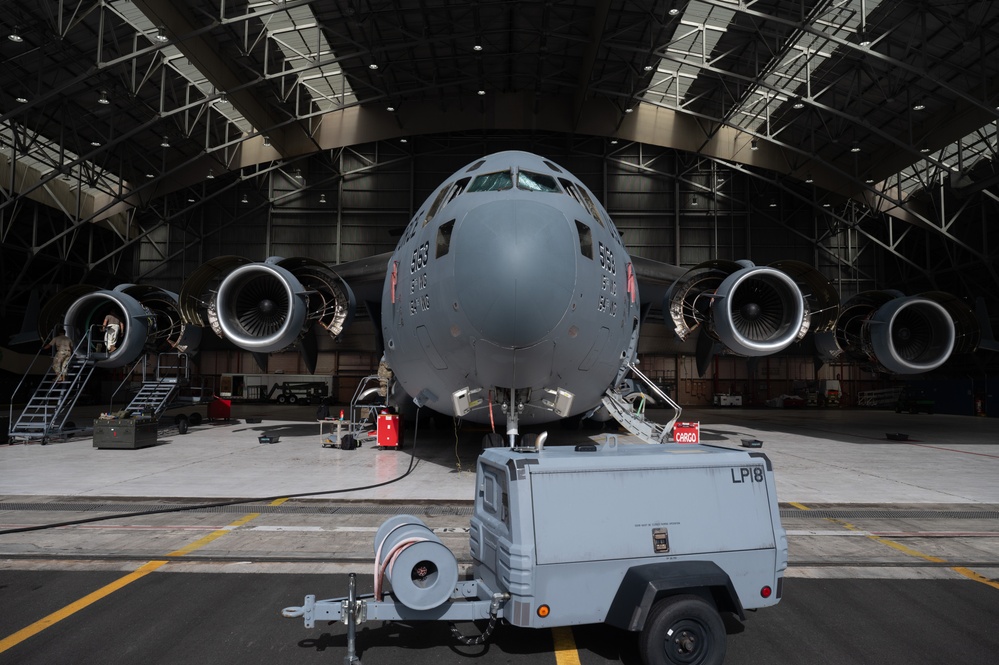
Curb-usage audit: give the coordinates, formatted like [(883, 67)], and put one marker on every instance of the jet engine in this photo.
[(752, 310), (897, 334), (267, 306), (151, 316)]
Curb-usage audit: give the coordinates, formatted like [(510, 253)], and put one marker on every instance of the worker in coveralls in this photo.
[(63, 352), (112, 332)]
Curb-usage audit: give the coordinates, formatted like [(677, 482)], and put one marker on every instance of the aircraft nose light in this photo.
[(517, 263)]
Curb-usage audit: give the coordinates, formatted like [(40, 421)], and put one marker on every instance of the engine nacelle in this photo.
[(752, 310), (261, 307), (892, 333), (151, 317), (267, 306)]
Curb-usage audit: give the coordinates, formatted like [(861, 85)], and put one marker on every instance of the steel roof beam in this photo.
[(200, 50)]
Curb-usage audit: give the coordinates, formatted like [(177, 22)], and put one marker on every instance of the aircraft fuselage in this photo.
[(510, 290)]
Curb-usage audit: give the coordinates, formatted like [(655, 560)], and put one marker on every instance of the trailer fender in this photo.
[(642, 586)]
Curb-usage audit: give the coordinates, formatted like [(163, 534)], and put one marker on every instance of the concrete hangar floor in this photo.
[(894, 545)]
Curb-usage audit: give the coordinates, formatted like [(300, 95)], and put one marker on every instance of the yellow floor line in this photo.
[(960, 570), (91, 598), (565, 646), (78, 605)]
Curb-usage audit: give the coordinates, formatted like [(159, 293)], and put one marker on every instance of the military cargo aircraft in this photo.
[(510, 298)]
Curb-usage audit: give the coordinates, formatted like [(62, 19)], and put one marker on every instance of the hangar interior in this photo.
[(143, 138)]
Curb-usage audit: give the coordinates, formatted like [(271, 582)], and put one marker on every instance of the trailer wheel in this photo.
[(683, 629), (292, 399), (281, 399)]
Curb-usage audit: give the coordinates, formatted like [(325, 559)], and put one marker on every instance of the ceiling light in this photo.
[(477, 47), (211, 174), (390, 109), (150, 175), (773, 203), (15, 37), (754, 145), (482, 92), (96, 144), (613, 141), (673, 11), (855, 148), (870, 181), (918, 106), (826, 205), (322, 198), (648, 68), (403, 140), (373, 66), (103, 99), (924, 149), (20, 99), (161, 35), (809, 179), (693, 200), (244, 199), (165, 143), (267, 140), (863, 38), (629, 110), (799, 104), (190, 199)]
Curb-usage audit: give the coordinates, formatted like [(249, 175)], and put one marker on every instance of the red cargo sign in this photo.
[(687, 432)]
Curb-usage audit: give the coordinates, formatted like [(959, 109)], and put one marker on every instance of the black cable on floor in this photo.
[(204, 506)]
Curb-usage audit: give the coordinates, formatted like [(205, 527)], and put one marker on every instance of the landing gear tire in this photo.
[(683, 630), (493, 440)]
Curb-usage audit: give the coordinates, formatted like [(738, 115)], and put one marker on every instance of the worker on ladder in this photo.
[(63, 352), (112, 331)]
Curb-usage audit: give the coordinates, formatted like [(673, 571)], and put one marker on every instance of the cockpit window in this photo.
[(536, 182), (492, 182), (583, 199), (446, 195)]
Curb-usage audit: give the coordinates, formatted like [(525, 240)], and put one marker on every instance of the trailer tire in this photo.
[(292, 399), (683, 629), (281, 399)]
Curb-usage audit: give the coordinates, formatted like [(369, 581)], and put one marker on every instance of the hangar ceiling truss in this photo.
[(112, 111)]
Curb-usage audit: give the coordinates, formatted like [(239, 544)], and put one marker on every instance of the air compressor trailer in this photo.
[(656, 539)]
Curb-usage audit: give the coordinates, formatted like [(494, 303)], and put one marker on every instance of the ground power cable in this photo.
[(413, 462)]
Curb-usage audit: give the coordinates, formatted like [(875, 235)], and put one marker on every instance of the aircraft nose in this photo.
[(515, 270)]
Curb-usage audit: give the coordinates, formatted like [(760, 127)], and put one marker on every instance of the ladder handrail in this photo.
[(48, 338), (659, 393), (27, 372), (128, 375)]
